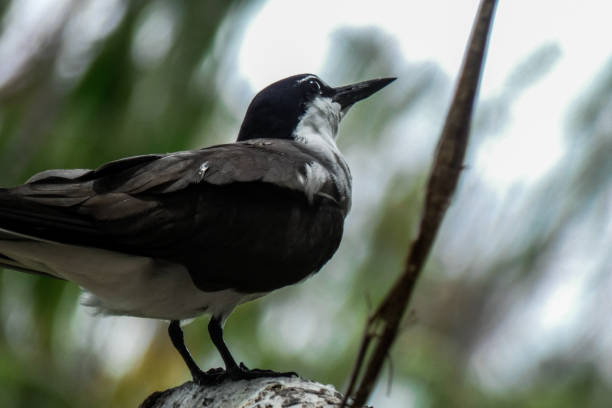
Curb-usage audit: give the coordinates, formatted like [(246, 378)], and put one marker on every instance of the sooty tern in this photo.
[(173, 236)]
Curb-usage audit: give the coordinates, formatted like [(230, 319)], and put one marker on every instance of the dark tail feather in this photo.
[(36, 215)]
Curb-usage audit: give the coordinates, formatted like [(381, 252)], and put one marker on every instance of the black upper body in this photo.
[(253, 216)]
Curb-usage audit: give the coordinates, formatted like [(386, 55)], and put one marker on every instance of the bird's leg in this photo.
[(233, 370), (199, 376), (216, 335)]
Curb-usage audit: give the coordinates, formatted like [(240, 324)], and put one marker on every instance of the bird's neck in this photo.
[(318, 126)]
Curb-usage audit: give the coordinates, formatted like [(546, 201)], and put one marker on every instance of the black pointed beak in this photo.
[(347, 95)]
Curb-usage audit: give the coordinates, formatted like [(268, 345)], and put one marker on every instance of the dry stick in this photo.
[(382, 327), (361, 355)]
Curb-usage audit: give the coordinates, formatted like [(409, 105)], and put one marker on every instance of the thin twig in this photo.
[(365, 341), (382, 327), (391, 372)]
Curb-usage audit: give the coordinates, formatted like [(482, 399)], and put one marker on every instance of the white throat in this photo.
[(319, 124)]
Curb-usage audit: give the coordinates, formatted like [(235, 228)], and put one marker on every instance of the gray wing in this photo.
[(166, 205)]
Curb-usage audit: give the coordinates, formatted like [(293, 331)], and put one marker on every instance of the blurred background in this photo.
[(514, 308)]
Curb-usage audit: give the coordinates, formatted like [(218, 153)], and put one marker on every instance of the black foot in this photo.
[(242, 372), (210, 377)]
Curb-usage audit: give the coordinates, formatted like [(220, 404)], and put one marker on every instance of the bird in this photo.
[(174, 236)]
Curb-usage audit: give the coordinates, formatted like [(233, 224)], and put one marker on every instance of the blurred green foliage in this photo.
[(108, 104)]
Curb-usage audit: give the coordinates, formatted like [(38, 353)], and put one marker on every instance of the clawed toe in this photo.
[(242, 372), (210, 377)]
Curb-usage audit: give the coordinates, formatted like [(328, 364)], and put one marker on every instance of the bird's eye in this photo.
[(314, 84)]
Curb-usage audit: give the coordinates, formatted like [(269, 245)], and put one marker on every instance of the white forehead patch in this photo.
[(319, 124), (306, 78)]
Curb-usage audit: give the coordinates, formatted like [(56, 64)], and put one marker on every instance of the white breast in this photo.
[(317, 129), (318, 126)]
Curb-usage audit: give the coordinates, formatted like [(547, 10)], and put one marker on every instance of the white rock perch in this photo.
[(291, 392)]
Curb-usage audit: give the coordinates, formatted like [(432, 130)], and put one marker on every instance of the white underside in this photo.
[(122, 284)]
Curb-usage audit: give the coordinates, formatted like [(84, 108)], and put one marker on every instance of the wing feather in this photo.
[(163, 206)]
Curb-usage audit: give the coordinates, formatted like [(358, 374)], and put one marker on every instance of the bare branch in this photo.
[(259, 392), (382, 327), (361, 355)]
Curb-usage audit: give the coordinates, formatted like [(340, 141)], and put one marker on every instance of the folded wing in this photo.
[(214, 210)]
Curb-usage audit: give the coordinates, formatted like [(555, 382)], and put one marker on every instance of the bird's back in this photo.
[(251, 217)]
